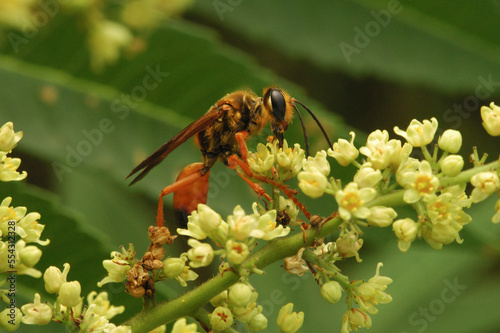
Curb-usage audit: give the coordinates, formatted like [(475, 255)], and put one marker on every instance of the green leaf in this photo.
[(433, 43)]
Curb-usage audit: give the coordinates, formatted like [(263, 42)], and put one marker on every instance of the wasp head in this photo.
[(279, 106)]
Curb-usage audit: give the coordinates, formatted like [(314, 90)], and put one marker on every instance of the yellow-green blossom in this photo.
[(419, 134), (491, 119)]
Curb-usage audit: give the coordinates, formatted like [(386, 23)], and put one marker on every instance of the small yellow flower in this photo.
[(288, 321), (312, 182), (419, 183), (491, 119), (200, 254), (352, 200), (419, 134), (354, 319), (262, 160), (181, 326), (344, 151), (371, 293), (485, 184), (379, 149)]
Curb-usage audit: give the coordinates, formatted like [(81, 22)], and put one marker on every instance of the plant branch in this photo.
[(189, 303)]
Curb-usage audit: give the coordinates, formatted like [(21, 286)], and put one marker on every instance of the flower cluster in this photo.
[(235, 237), (108, 34), (276, 163), (237, 303), (388, 165), (68, 307), (18, 231)]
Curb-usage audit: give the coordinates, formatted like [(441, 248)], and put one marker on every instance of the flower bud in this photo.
[(312, 182), (173, 267), (69, 294), (257, 323), (181, 326), (201, 254), (236, 252), (209, 220), (10, 319), (349, 244), (381, 216), (288, 321), (30, 255), (452, 165), (331, 291), (491, 119), (406, 231), (450, 141), (240, 294), (36, 313), (221, 318), (444, 233), (53, 279), (367, 176), (319, 162), (128, 329), (8, 138)]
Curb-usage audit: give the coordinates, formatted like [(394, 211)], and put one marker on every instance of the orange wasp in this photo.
[(220, 134)]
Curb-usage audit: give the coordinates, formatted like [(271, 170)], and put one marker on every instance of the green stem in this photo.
[(189, 303), (466, 175)]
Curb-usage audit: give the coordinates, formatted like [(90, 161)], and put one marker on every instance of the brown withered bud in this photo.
[(157, 252), (136, 291), (160, 235), (152, 264), (137, 275)]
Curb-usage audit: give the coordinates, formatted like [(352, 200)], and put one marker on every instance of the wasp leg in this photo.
[(241, 137), (256, 187), (234, 160), (179, 184)]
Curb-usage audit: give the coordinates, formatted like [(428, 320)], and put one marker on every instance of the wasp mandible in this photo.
[(220, 134)]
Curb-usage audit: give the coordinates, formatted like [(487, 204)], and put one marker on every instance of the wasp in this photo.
[(220, 135)]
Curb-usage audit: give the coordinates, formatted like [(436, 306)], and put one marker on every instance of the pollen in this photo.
[(424, 185), (350, 201)]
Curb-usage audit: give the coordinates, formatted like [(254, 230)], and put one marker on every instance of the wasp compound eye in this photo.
[(278, 104)]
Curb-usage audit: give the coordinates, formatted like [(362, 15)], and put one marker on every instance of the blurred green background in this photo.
[(360, 65)]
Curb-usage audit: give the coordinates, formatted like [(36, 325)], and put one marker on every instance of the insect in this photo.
[(220, 134)]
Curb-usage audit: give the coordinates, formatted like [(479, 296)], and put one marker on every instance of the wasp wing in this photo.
[(196, 126)]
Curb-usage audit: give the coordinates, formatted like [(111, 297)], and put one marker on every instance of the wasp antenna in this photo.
[(317, 122), (306, 138)]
